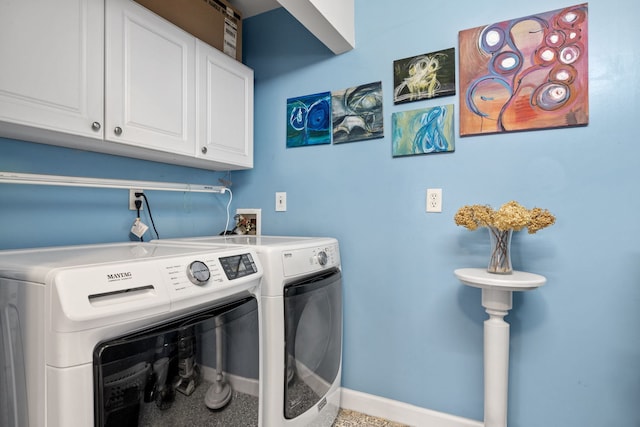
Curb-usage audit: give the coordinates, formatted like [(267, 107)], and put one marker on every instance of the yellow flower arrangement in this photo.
[(510, 216)]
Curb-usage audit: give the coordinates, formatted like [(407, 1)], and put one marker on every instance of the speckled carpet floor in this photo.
[(348, 418), (241, 411)]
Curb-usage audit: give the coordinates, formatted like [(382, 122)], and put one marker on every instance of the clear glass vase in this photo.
[(500, 261)]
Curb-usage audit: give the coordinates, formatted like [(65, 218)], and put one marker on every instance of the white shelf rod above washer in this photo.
[(76, 181)]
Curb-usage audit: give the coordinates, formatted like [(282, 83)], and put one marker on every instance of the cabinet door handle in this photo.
[(204, 150), (95, 126), (117, 130)]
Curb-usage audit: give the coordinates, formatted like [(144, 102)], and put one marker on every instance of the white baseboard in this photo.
[(400, 412)]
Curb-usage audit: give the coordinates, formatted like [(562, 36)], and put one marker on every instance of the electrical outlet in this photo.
[(281, 201), (133, 198), (434, 199)]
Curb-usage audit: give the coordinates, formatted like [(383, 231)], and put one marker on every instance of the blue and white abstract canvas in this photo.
[(309, 120), (423, 131)]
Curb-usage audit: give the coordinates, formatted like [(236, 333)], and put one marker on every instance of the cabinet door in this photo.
[(150, 80), (52, 65), (225, 108)]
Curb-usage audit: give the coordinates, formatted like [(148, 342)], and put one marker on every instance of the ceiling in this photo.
[(249, 8)]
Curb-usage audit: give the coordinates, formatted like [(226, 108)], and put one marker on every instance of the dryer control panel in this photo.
[(308, 260)]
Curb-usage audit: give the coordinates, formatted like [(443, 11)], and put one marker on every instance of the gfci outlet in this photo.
[(133, 198), (434, 200)]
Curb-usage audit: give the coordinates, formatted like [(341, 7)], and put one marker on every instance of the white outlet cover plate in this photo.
[(132, 199), (434, 200)]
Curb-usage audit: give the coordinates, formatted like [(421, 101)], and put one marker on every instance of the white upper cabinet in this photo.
[(225, 104), (114, 77), (150, 80), (52, 66)]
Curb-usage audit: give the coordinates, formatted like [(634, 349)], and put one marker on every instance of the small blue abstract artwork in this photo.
[(309, 120), (423, 131)]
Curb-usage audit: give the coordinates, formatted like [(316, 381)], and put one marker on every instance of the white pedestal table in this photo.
[(497, 290)]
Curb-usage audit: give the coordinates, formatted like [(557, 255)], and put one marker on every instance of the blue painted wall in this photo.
[(412, 332), (35, 216)]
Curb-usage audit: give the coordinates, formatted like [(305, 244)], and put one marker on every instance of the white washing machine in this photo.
[(302, 326), (130, 334)]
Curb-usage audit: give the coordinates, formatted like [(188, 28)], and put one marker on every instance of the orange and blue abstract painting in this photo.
[(526, 73), (309, 120), (423, 131)]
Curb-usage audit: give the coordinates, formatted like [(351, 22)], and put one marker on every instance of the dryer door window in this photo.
[(313, 340)]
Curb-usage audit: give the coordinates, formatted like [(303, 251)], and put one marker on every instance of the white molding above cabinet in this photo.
[(331, 21), (136, 97)]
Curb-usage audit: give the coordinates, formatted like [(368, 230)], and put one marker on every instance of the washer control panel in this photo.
[(97, 295), (186, 276), (238, 266), (210, 272), (198, 273)]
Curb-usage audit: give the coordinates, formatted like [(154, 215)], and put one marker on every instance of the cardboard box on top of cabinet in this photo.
[(212, 21)]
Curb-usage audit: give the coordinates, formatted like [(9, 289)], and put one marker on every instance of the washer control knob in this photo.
[(198, 273), (322, 258)]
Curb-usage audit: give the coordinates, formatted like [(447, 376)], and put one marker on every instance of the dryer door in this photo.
[(313, 340)]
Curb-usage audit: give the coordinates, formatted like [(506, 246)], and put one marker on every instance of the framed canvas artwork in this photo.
[(309, 120), (526, 73), (424, 76), (423, 131), (357, 113)]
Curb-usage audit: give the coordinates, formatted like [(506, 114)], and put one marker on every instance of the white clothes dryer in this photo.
[(301, 295), (129, 334)]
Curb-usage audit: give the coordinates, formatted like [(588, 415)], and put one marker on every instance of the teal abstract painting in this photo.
[(309, 120), (423, 131)]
